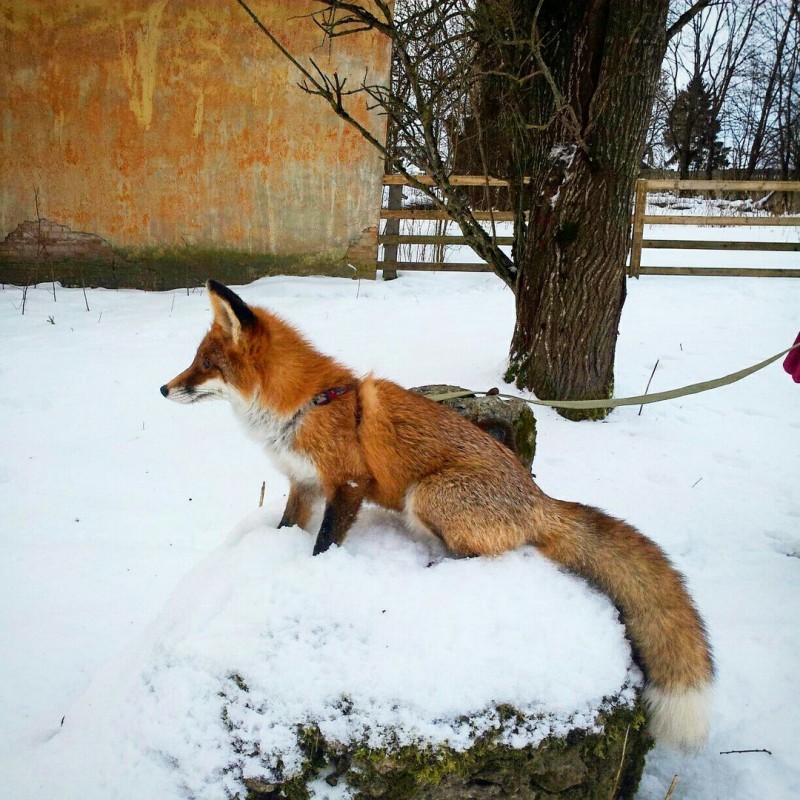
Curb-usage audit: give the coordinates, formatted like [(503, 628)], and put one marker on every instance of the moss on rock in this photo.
[(582, 765)]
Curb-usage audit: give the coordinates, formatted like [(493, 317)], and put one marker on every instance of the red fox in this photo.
[(346, 439)]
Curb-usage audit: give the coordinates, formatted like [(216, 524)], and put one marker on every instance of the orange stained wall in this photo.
[(176, 122)]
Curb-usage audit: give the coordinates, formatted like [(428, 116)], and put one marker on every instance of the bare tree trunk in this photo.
[(761, 127), (571, 282), (571, 290), (786, 111), (392, 228)]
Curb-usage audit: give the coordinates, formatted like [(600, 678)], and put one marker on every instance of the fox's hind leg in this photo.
[(467, 513), (299, 505)]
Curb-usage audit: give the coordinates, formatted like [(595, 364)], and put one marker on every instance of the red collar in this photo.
[(329, 395)]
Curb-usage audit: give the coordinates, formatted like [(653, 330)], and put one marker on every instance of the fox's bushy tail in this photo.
[(666, 631)]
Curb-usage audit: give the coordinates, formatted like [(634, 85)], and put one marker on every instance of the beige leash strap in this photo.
[(641, 399)]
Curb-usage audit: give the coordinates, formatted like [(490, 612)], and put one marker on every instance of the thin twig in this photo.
[(671, 788), (647, 388), (263, 489), (83, 284), (621, 764), (41, 247), (728, 752)]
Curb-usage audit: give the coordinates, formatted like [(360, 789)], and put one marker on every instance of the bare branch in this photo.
[(358, 15), (420, 116), (688, 15)]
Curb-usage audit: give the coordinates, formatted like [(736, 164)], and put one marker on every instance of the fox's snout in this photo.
[(182, 391), (195, 384)]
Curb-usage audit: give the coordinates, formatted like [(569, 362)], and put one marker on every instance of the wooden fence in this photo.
[(391, 238), (641, 218)]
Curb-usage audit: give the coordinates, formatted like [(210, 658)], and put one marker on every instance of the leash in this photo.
[(643, 399)]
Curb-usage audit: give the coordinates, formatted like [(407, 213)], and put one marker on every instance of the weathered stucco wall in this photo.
[(174, 130)]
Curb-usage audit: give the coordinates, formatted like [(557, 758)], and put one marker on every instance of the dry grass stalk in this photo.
[(621, 763), (671, 788)]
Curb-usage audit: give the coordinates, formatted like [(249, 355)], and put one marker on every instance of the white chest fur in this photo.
[(276, 434)]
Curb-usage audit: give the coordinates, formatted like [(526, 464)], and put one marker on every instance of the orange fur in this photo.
[(382, 443)]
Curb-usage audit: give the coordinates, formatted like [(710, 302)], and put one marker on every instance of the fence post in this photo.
[(392, 228), (640, 202)]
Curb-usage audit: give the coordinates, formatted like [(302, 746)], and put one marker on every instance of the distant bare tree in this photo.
[(728, 46), (655, 156), (783, 23), (706, 62), (787, 114)]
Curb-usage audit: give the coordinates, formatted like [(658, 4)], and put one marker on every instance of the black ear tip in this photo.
[(238, 306)]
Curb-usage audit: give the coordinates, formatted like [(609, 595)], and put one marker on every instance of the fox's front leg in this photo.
[(299, 505), (341, 509)]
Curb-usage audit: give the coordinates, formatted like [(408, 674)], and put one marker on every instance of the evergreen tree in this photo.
[(692, 131)]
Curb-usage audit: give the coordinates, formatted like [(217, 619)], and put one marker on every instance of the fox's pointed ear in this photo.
[(230, 311)]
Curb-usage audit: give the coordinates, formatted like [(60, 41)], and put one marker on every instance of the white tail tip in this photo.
[(679, 717)]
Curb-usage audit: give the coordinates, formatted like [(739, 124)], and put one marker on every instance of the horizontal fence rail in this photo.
[(422, 213), (641, 218), (723, 222), (391, 237), (677, 184)]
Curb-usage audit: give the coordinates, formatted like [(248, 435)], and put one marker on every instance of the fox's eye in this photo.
[(206, 363)]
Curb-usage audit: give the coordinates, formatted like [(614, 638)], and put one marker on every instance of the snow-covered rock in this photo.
[(270, 667)]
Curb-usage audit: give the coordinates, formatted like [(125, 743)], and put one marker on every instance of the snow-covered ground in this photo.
[(131, 540)]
